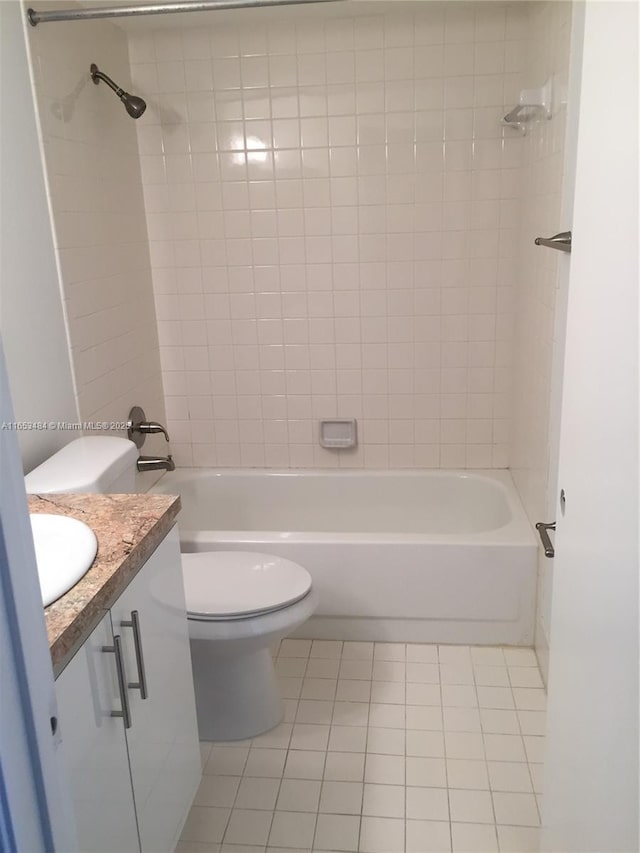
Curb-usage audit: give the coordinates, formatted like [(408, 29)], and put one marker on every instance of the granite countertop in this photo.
[(128, 529)]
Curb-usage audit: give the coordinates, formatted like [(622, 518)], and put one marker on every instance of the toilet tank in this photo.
[(94, 463)]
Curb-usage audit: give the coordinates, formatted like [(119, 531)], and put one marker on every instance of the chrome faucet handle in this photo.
[(138, 427), (151, 427)]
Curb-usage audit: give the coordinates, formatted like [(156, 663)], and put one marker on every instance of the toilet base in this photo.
[(237, 696)]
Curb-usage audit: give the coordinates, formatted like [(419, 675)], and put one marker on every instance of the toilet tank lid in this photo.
[(80, 464)]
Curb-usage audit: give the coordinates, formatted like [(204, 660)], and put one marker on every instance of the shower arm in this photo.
[(96, 75), (34, 17)]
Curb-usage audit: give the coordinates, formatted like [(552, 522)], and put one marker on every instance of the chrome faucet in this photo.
[(156, 463)]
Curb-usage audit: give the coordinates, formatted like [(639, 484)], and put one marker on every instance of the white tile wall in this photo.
[(95, 187), (332, 208), (537, 295)]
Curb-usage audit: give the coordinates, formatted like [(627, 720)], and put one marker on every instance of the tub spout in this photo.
[(156, 463)]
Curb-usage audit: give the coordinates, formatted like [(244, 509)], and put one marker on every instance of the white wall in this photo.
[(93, 171), (31, 317), (332, 206)]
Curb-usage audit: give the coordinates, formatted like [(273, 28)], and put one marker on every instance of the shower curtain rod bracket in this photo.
[(92, 13)]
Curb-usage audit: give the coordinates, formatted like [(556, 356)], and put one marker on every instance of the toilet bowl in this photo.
[(238, 604)]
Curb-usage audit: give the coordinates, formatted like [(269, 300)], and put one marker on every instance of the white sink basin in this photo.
[(65, 549)]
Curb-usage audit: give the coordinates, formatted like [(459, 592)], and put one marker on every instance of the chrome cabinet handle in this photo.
[(116, 649), (141, 683), (542, 528), (561, 241)]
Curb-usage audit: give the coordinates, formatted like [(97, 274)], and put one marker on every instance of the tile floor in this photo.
[(385, 748)]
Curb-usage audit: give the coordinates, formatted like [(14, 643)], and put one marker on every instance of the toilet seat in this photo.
[(230, 585)]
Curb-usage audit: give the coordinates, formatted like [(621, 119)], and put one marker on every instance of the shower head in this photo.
[(134, 105)]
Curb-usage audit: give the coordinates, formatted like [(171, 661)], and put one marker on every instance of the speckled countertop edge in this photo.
[(128, 528)]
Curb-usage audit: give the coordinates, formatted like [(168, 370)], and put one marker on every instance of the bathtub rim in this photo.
[(517, 531)]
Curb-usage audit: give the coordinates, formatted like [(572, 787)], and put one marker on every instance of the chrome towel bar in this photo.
[(561, 241)]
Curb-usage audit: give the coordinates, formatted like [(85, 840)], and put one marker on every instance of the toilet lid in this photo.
[(232, 584)]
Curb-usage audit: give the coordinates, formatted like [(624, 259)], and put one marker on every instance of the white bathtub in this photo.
[(437, 556)]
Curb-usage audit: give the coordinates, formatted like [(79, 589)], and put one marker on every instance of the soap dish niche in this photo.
[(533, 105), (339, 434)]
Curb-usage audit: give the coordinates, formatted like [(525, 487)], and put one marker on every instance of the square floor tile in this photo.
[(357, 651), (248, 826), (314, 711), (424, 694), (294, 648), (226, 761), (525, 676), (383, 800), (389, 651), (456, 673), (516, 809), (257, 794), (387, 716), (308, 736), (348, 738), (428, 836), (290, 688), (504, 748), (466, 773), (458, 655), (537, 777), (423, 673), (492, 676), (500, 698), (292, 829), (326, 649), (535, 748), (520, 657), (350, 714), (344, 767), (277, 738), (321, 668), (386, 741), (197, 847), (319, 688), (426, 772), (217, 791), (381, 835), (424, 717), (265, 762), (461, 719), (337, 832), (425, 743), (304, 764), (464, 745), (518, 839), (487, 656), (352, 690), (359, 670), (510, 776), (494, 721), (341, 797), (459, 696), (529, 699), (205, 824), (390, 692), (291, 667), (427, 804), (385, 769), (533, 722), (421, 653), (474, 838), (470, 806), (299, 795), (386, 670)]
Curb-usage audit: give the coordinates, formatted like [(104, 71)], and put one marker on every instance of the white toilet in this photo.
[(238, 602)]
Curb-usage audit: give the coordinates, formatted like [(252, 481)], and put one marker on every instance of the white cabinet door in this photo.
[(94, 748), (163, 739)]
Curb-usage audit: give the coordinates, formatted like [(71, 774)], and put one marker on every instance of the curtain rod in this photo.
[(34, 17)]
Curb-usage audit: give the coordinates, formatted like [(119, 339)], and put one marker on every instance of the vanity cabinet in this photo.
[(133, 776)]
